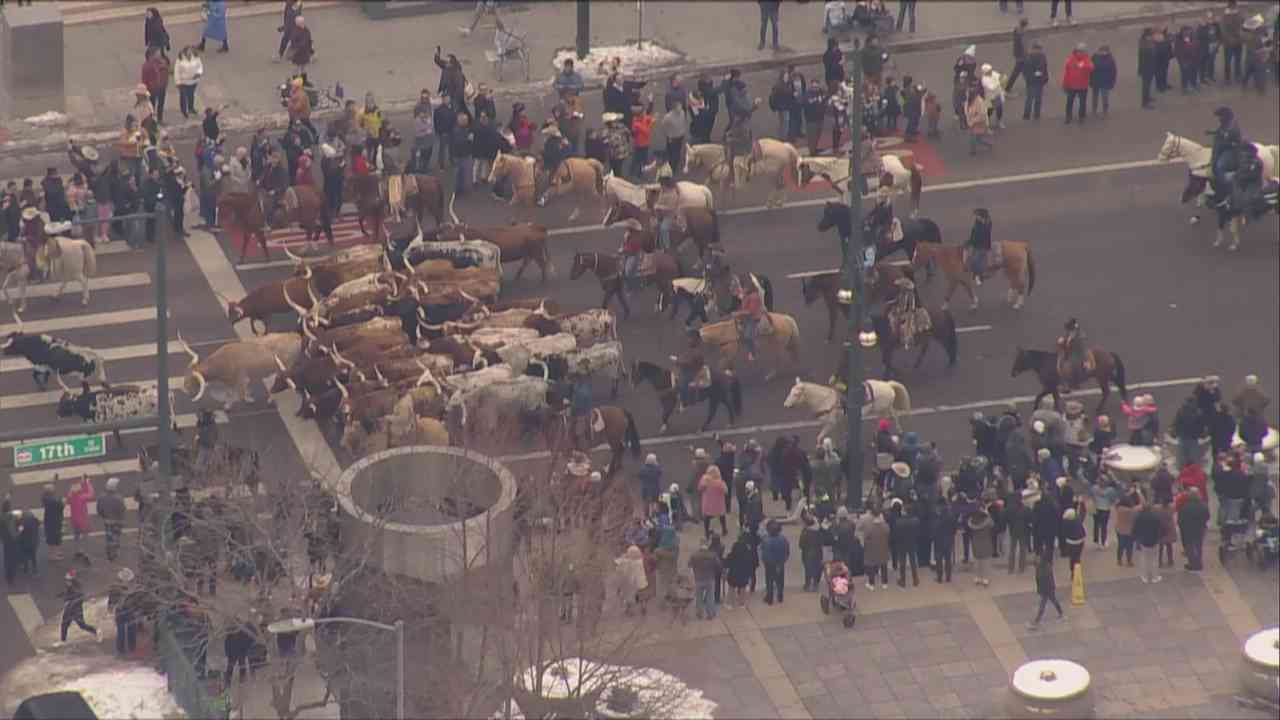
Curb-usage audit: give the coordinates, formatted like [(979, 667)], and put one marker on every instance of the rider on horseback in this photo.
[(554, 152), (579, 405), (904, 312), (690, 366), (274, 180), (1226, 139), (667, 206), (1248, 183), (979, 243), (750, 315), (1075, 352), (632, 254)]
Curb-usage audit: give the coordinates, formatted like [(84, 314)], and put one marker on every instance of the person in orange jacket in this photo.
[(1075, 79)]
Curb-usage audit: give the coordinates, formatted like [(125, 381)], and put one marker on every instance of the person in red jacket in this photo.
[(1075, 79), (155, 75)]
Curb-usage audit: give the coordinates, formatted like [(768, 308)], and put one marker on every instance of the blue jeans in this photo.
[(664, 232), (766, 17), (1103, 94), (978, 261), (1031, 105), (630, 268), (462, 175), (749, 334), (704, 594)]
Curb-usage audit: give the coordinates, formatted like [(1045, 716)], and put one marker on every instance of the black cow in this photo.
[(49, 355)]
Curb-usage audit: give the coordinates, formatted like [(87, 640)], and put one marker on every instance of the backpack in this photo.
[(779, 97)]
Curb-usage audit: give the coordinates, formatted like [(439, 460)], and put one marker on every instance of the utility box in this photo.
[(31, 53)]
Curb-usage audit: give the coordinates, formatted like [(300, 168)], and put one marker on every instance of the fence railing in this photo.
[(185, 683)]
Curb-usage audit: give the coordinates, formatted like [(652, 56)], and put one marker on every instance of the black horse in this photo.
[(914, 230), (725, 389), (943, 331), (717, 289), (1108, 370)]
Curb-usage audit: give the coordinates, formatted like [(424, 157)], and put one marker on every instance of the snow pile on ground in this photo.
[(117, 689), (48, 119), (655, 693), (632, 59)]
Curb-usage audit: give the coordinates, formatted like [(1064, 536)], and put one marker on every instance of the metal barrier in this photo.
[(185, 683)]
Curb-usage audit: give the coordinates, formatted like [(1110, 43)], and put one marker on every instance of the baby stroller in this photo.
[(1264, 546), (679, 597), (861, 16), (837, 592)]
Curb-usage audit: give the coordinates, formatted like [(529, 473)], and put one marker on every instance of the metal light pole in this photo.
[(162, 354), (584, 28), (300, 624), (853, 278)]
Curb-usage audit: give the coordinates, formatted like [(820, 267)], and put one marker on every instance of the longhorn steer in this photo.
[(271, 299), (50, 356), (348, 335), (237, 364), (519, 355), (122, 402), (369, 291), (330, 273)]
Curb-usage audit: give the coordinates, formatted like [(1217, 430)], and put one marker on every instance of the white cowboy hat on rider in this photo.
[(326, 150), (30, 213), (1254, 22), (901, 469), (610, 117), (89, 153), (57, 228), (550, 128), (125, 575), (699, 454)]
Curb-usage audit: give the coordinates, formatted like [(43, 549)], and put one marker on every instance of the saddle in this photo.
[(764, 326), (995, 258), (867, 394)]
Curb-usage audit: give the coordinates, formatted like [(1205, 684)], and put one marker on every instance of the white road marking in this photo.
[(36, 399), (806, 424), (267, 265), (182, 13), (973, 328), (107, 282), (184, 420), (29, 616), (72, 322), (46, 475), (115, 354), (941, 187)]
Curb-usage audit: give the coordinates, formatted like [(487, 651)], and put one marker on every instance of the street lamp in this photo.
[(853, 262), (292, 625)]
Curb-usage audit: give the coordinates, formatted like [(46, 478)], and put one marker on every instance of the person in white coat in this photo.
[(187, 72), (993, 90)]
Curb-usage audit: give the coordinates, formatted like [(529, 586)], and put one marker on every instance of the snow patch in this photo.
[(48, 119), (656, 693), (632, 59), (113, 688)]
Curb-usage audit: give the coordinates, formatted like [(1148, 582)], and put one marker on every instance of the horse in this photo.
[(917, 230), (521, 241), (778, 159), (618, 189), (247, 213), (724, 389), (608, 270), (942, 330), (1200, 181), (880, 399), (702, 225), (582, 177), (1108, 368), (782, 337), (65, 258), (894, 174), (718, 288), (523, 172), (1011, 256), (616, 427), (878, 287)]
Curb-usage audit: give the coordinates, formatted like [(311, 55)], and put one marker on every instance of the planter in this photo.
[(1260, 669), (1050, 689)]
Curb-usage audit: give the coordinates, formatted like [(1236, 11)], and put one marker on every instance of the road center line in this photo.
[(807, 424)]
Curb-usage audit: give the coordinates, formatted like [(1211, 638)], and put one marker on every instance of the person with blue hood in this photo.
[(910, 450)]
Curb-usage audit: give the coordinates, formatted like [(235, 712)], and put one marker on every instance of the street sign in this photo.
[(75, 447)]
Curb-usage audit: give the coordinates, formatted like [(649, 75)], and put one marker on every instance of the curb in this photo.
[(54, 140)]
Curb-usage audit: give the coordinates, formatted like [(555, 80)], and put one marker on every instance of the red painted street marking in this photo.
[(345, 232)]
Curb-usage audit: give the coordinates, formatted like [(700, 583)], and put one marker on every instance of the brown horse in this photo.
[(701, 224), (1013, 257), (617, 430), (421, 194), (878, 287), (1107, 368), (942, 330), (524, 241), (608, 269), (249, 215)]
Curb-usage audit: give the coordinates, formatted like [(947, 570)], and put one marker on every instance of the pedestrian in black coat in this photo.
[(1163, 56), (237, 646), (811, 553), (1102, 80), (1147, 64), (944, 540), (28, 541), (53, 510), (924, 535), (1046, 519), (73, 606), (1222, 428), (903, 535), (9, 539), (740, 569), (1046, 588)]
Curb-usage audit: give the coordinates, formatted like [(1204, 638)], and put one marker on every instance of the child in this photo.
[(933, 112)]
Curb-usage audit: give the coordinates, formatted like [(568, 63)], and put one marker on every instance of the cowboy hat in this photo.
[(700, 454), (57, 228), (125, 575), (89, 153), (29, 213), (901, 469), (1254, 22), (611, 117)]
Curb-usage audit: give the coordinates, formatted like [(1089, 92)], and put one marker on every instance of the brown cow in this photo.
[(522, 241)]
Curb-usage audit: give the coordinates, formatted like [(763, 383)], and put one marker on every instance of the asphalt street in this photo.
[(1111, 248)]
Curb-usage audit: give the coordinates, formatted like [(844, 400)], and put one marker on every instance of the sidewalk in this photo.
[(392, 59)]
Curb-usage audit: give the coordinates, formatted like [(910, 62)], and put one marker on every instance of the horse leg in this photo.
[(1104, 383), (886, 356), (525, 264), (713, 407), (951, 288), (831, 321), (924, 350), (973, 296), (668, 406), (246, 237), (84, 288), (62, 287), (1236, 222)]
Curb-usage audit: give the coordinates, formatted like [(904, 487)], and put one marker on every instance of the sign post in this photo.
[(76, 447)]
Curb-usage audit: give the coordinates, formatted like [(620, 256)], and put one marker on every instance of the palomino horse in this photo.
[(878, 287), (65, 258), (1107, 368), (523, 172), (880, 399), (942, 330), (581, 177), (608, 270), (723, 388), (1200, 180), (781, 336), (608, 423), (690, 194), (1011, 256), (779, 160), (701, 224), (248, 215)]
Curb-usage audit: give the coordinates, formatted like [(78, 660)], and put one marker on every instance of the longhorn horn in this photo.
[(203, 385), (346, 396), (337, 358), (302, 313), (306, 275), (195, 359), (546, 371), (315, 301), (17, 319), (377, 374), (280, 364), (453, 214), (297, 260)]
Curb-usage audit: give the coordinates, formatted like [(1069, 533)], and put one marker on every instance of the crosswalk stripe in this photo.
[(46, 475), (184, 421), (177, 13), (36, 399), (115, 354), (72, 322), (109, 282), (29, 616)]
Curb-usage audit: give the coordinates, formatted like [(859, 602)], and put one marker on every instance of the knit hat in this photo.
[(651, 459), (1042, 454), (884, 424)]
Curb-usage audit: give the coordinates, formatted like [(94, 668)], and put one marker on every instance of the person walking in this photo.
[(1036, 68), (1046, 588), (1019, 55), (706, 568), (978, 122), (215, 24), (28, 542), (301, 47), (1075, 79), (155, 76), (53, 508), (903, 539), (712, 493), (154, 33), (907, 9), (187, 72), (769, 10), (811, 553), (774, 552), (1073, 537), (981, 530), (1232, 30), (292, 9), (1193, 521), (1102, 80), (73, 608), (1053, 12), (874, 532), (1146, 534)]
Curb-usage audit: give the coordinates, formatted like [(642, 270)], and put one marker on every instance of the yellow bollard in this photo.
[(1077, 585)]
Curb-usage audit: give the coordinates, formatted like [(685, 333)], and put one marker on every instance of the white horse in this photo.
[(888, 399), (75, 260), (692, 195), (1197, 158)]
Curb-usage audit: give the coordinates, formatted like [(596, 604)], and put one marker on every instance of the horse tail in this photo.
[(632, 436), (1031, 271), (1118, 376), (917, 185), (793, 342), (767, 286), (950, 338), (90, 260), (598, 169), (901, 398)]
